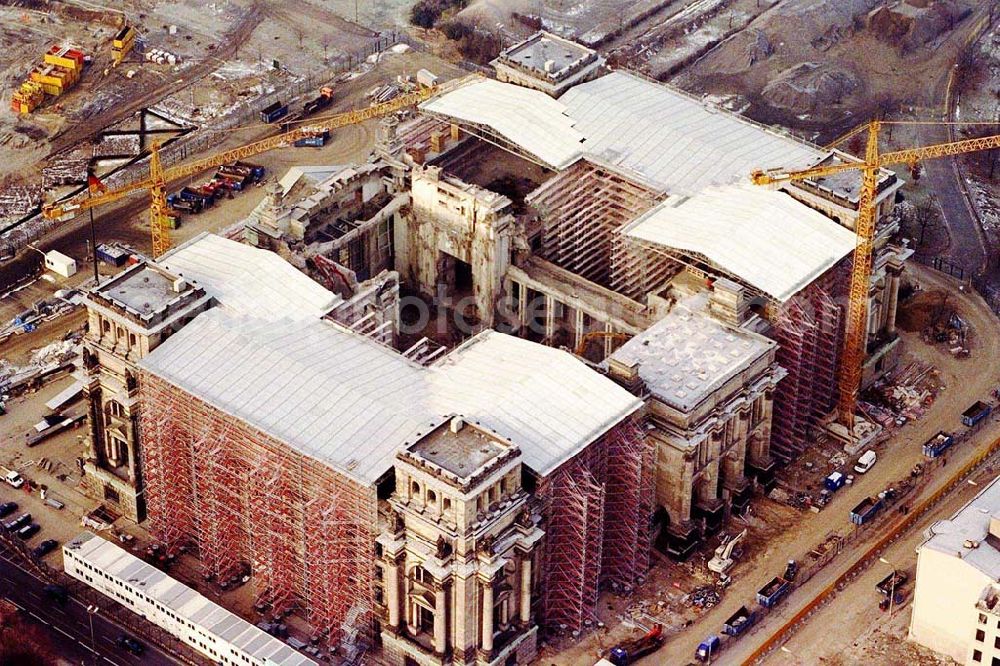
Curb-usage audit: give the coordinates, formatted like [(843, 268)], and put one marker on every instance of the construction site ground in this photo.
[(778, 533), (127, 221)]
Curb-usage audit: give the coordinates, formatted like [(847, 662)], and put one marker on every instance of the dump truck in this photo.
[(319, 103), (867, 509), (892, 582), (976, 413), (938, 444), (273, 112), (772, 593), (739, 621), (630, 651)]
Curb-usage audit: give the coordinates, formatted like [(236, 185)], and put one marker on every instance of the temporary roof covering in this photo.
[(530, 119), (249, 280), (130, 571), (345, 400), (762, 237), (671, 140), (674, 140)]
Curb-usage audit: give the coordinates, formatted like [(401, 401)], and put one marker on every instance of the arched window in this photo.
[(432, 497), (414, 489)]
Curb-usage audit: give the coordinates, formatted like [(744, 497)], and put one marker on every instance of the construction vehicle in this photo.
[(707, 648), (892, 582), (122, 44), (319, 103), (725, 554), (160, 220), (855, 342), (630, 651)]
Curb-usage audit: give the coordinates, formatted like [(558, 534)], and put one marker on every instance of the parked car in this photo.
[(17, 523), (866, 462), (57, 593), (130, 644), (7, 508), (28, 531), (45, 547)]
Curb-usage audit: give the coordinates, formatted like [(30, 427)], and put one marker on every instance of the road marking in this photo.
[(19, 606), (111, 662), (63, 632), (89, 649), (43, 621)]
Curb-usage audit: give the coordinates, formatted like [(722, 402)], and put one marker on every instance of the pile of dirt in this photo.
[(916, 23), (745, 49), (919, 312), (809, 86)]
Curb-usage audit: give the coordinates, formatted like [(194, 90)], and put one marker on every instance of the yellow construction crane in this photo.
[(857, 319), (159, 218)]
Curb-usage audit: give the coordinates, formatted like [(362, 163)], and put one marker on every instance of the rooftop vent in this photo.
[(969, 543), (457, 423)]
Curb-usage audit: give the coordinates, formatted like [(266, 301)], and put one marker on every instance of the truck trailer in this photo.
[(867, 509), (772, 593), (938, 444), (976, 413)]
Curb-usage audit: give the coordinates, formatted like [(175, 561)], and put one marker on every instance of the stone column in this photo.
[(526, 589), (440, 616), (392, 593), (550, 316), (578, 333), (487, 643), (890, 319), (522, 306)]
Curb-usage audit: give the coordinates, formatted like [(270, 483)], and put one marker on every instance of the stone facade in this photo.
[(128, 316), (458, 560)]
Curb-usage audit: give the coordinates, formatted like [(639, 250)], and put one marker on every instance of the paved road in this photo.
[(69, 626), (967, 248)]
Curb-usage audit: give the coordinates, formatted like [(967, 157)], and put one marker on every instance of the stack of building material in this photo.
[(27, 98), (60, 70)]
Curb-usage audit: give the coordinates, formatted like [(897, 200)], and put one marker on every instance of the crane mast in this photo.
[(856, 333)]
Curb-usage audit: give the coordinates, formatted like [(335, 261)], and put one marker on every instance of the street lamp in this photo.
[(892, 584), (91, 611)]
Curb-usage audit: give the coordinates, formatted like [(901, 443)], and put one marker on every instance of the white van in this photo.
[(865, 462)]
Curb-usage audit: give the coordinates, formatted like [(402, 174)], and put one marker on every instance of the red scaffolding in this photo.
[(241, 497), (597, 510)]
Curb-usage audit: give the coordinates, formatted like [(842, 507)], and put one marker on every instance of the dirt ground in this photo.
[(791, 532)]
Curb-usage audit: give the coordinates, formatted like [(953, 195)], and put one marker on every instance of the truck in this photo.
[(726, 554), (707, 648), (867, 509), (319, 103), (12, 477), (938, 444), (976, 413), (892, 582), (273, 112), (772, 593), (739, 621), (630, 651), (185, 206)]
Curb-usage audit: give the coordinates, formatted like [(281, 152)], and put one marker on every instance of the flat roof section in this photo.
[(142, 289), (462, 453), (185, 602), (966, 535), (540, 49), (687, 355)]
